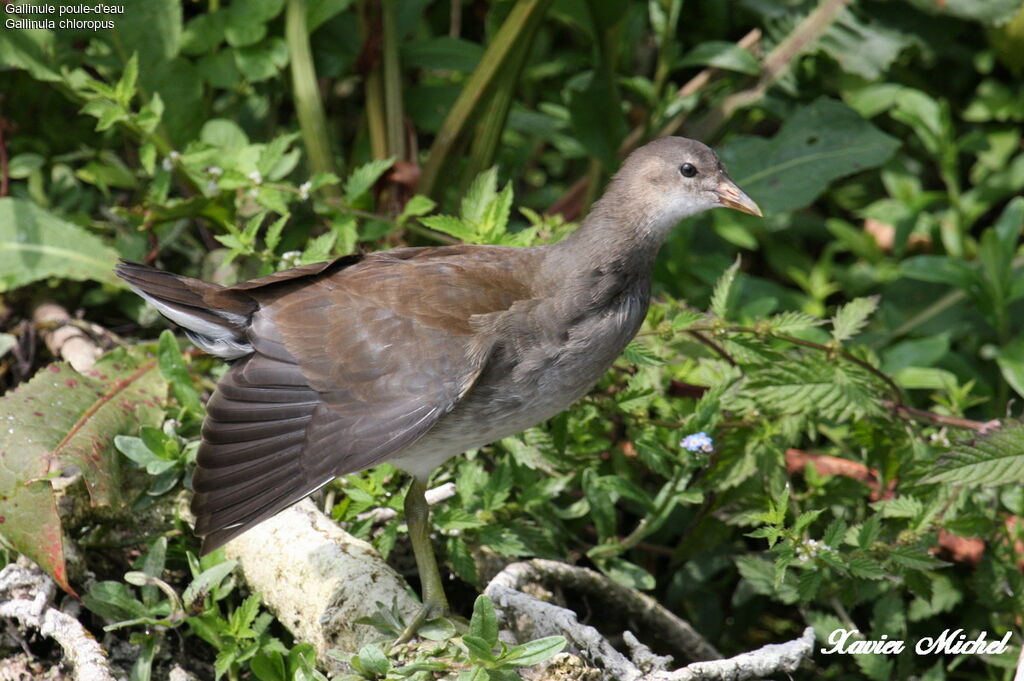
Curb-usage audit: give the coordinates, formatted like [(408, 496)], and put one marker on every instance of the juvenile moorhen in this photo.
[(415, 355)]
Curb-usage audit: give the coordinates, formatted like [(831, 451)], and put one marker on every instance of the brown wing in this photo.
[(348, 368)]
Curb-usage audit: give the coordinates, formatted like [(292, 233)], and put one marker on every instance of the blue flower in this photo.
[(697, 442)]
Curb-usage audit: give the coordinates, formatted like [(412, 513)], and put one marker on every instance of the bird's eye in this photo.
[(687, 170)]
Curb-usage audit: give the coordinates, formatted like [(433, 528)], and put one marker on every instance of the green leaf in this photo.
[(125, 89), (916, 558), (415, 207), (172, 368), (596, 117), (723, 55), (852, 317), (534, 652), (869, 532), (990, 12), (32, 51), (863, 46), (36, 244), (262, 61), (788, 323), (206, 582), (363, 178), (817, 144), (480, 195), (814, 385), (722, 294), (450, 225), (136, 450), (639, 354), (320, 248), (1010, 359), (866, 568), (484, 623), (442, 53), (996, 458), (479, 648), (114, 600), (626, 573), (273, 236), (66, 419), (268, 666)]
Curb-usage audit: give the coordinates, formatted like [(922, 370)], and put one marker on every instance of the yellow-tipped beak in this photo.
[(732, 196)]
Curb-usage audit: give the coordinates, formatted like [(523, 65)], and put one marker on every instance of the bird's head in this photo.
[(672, 178)]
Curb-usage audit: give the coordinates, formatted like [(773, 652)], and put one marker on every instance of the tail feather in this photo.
[(219, 329)]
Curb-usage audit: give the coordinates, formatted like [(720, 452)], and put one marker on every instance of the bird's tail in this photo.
[(213, 319)]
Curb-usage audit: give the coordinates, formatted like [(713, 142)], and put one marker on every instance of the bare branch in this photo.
[(25, 594)]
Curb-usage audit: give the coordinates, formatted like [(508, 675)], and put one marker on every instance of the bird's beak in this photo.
[(732, 196)]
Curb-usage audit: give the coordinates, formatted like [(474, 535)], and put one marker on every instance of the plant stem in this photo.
[(394, 112), (306, 93), (520, 26)]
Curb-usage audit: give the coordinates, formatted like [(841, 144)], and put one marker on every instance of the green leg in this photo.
[(417, 517)]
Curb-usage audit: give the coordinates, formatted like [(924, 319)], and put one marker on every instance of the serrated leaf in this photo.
[(364, 177), (639, 354), (869, 532), (866, 568), (852, 317), (814, 385), (415, 207), (320, 248), (786, 323), (720, 297), (916, 558), (451, 226), (993, 459), (686, 318), (479, 196)]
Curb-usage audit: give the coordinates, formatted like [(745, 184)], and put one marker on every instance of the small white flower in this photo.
[(212, 187), (304, 189), (256, 177), (215, 171), (290, 259), (697, 442), (253, 192)]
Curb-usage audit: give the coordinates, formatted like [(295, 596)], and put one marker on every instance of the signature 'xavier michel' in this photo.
[(417, 354)]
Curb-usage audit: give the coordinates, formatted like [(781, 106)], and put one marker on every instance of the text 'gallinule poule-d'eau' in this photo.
[(414, 355)]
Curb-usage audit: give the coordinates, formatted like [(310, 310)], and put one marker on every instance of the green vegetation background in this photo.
[(859, 365)]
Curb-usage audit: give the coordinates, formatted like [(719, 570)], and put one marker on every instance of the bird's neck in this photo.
[(611, 253)]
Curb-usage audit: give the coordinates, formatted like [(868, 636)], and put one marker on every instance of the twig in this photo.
[(25, 593), (824, 464), (434, 496), (714, 346), (698, 82), (673, 631), (952, 421), (768, 660), (530, 617), (63, 338), (774, 65)]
